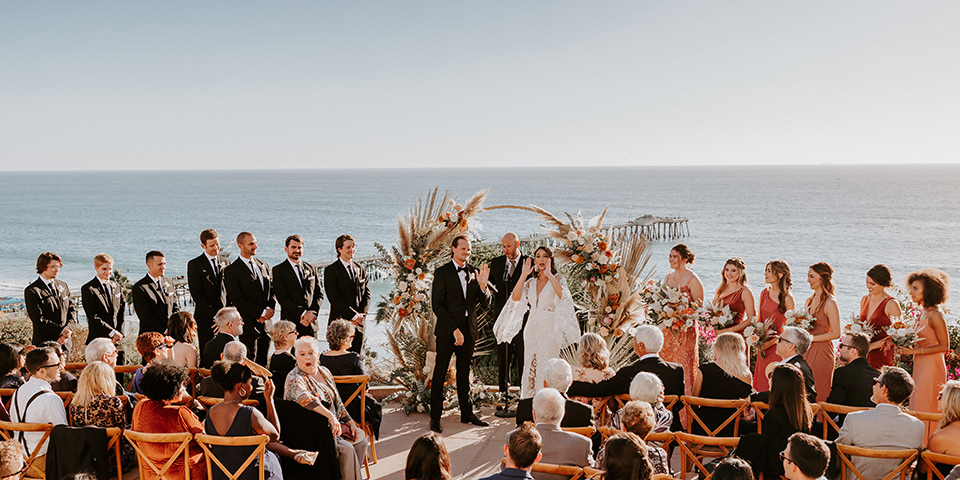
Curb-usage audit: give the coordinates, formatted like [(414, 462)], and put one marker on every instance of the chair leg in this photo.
[(373, 445), (366, 465)]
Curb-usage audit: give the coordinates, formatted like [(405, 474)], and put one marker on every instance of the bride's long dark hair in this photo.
[(553, 262)]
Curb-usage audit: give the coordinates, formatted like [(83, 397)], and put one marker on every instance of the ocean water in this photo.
[(850, 216)]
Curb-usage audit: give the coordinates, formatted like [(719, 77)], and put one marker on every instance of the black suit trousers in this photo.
[(510, 361), (257, 346), (445, 350)]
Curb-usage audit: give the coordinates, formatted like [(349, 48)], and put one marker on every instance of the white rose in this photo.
[(401, 285), (418, 270), (420, 408), (588, 248), (594, 257), (572, 235), (411, 277)]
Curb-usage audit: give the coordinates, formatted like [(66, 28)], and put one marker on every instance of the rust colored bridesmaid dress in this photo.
[(821, 357), (879, 321), (769, 308), (683, 348)]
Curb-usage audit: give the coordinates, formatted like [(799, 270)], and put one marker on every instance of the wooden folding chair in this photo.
[(926, 416), (7, 429), (692, 446), (585, 431), (67, 397), (211, 401), (907, 456), (573, 472), (662, 476), (75, 367), (257, 441), (760, 408), (929, 460), (607, 432), (148, 469), (830, 410), (114, 435), (360, 394)]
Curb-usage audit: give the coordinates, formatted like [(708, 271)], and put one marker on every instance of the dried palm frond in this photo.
[(473, 206), (404, 236), (548, 217)]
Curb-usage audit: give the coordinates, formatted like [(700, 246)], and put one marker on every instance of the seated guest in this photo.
[(625, 458), (96, 404), (11, 460), (559, 447), (853, 382), (232, 352), (153, 349), (67, 382), (954, 474), (594, 358), (647, 342), (312, 386), (283, 334), (733, 468), (647, 387), (558, 375), (728, 377), (885, 426), (182, 328), (805, 458), (638, 417), (11, 361), (791, 346), (946, 440), (43, 364), (521, 451), (428, 459), (341, 361), (103, 350), (229, 327), (162, 383), (230, 418)]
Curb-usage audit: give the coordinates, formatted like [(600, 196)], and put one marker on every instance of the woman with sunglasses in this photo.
[(153, 348)]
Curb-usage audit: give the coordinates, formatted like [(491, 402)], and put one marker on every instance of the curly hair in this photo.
[(338, 333), (163, 381), (936, 285), (784, 283), (182, 327), (593, 352), (147, 342), (638, 417), (279, 330)]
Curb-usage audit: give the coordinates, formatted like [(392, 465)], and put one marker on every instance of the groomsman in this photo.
[(347, 289), (250, 289), (458, 289), (154, 298), (103, 304), (297, 287), (205, 278), (504, 274), (48, 302)]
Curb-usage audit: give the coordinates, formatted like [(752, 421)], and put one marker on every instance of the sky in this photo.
[(371, 84)]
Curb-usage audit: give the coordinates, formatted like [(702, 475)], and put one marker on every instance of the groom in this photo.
[(458, 289)]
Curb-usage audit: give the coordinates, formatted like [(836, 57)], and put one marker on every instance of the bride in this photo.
[(552, 323)]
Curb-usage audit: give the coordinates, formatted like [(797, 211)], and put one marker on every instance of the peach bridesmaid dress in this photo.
[(769, 308), (821, 357), (929, 374)]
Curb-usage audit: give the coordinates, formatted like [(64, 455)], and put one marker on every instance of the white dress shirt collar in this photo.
[(155, 279), (648, 355)]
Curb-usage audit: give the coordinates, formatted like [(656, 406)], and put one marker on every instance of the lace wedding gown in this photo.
[(551, 326)]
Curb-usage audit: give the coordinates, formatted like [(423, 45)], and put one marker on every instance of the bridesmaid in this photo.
[(876, 308), (683, 348), (928, 288), (734, 293), (823, 306), (775, 300)]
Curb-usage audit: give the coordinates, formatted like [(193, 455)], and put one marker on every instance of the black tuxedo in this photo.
[(212, 349), (801, 363), (671, 374), (153, 306), (251, 297), (209, 294), (347, 296), (575, 414), (295, 298), (853, 384), (509, 354), (454, 310), (103, 314), (50, 313)]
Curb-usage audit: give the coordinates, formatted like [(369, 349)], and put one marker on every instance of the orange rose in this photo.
[(688, 311), (409, 263), (618, 333), (613, 297), (402, 312), (396, 300), (577, 258), (899, 325), (612, 267), (608, 253), (602, 269), (602, 246), (422, 275)]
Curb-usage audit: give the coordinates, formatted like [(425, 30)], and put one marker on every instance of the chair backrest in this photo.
[(662, 476), (737, 407), (926, 416), (585, 431), (257, 441), (75, 367), (150, 470), (114, 435), (691, 445), (907, 456), (574, 473), (7, 430), (830, 410), (67, 397), (360, 393), (930, 459), (211, 401)]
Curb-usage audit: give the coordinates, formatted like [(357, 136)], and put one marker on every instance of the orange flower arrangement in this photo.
[(409, 263)]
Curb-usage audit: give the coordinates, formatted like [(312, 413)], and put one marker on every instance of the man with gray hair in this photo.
[(234, 351), (103, 350), (559, 447), (791, 346), (229, 326), (558, 375), (647, 342)]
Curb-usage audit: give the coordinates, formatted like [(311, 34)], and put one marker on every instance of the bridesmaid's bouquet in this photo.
[(902, 334), (799, 317), (857, 325), (718, 317), (758, 333), (669, 308)]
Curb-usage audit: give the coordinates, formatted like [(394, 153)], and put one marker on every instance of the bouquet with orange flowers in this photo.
[(718, 316), (668, 307), (799, 317), (857, 325), (902, 333), (758, 333)]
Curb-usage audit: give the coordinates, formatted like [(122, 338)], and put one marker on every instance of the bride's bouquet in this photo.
[(902, 334), (758, 333), (799, 317), (669, 308), (719, 317), (857, 325)]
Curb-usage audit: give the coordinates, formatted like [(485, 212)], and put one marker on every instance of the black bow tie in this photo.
[(461, 269)]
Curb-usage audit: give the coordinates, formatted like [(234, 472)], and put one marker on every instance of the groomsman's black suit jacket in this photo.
[(245, 292), (212, 350), (504, 286), (853, 384), (671, 374), (294, 298), (801, 363), (452, 309), (49, 313), (209, 294), (154, 307), (347, 297), (103, 314)]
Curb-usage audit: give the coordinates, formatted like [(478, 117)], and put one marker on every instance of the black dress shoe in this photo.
[(435, 426), (474, 420)]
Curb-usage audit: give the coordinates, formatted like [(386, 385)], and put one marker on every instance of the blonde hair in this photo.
[(96, 379), (279, 330), (951, 397), (731, 353), (593, 352), (101, 259)]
